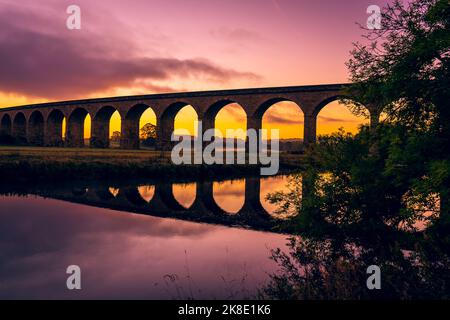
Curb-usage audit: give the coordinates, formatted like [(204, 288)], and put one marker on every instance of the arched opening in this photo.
[(56, 128), (185, 124), (106, 128), (64, 129), (105, 194), (139, 128), (230, 124), (134, 196), (148, 132), (6, 125), (271, 185), (87, 131), (36, 129), (147, 192), (185, 193), (114, 191), (335, 114), (19, 129), (229, 195), (185, 121), (179, 118), (78, 128), (288, 118)]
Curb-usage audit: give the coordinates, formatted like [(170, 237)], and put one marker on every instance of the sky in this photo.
[(153, 46)]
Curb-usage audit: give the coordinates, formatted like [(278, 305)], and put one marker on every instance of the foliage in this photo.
[(148, 134), (404, 67), (335, 268), (148, 131), (115, 137), (363, 196)]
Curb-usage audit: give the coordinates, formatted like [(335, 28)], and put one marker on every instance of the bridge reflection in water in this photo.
[(240, 202)]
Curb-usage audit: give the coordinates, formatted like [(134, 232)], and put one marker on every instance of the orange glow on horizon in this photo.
[(285, 116), (185, 120), (231, 117)]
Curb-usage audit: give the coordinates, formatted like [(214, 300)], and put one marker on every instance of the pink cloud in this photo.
[(41, 63)]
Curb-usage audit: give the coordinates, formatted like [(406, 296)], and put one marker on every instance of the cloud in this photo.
[(42, 60), (339, 120), (274, 118), (234, 111), (284, 113), (239, 35)]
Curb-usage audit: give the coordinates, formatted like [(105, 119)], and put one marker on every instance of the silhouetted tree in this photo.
[(361, 193), (116, 136), (406, 70), (148, 134)]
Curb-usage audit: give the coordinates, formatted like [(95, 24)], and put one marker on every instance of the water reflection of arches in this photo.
[(271, 185), (205, 199), (147, 192), (165, 199), (229, 195), (133, 195), (105, 194), (159, 199), (185, 193)]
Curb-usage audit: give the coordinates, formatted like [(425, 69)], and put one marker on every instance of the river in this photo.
[(152, 240)]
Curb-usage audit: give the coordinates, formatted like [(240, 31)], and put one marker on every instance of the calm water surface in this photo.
[(146, 241)]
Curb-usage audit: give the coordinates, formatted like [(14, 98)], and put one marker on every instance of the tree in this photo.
[(400, 169), (406, 69), (148, 131), (148, 134), (116, 136), (335, 268), (405, 65), (360, 193)]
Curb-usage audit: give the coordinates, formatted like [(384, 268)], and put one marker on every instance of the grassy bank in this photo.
[(34, 163)]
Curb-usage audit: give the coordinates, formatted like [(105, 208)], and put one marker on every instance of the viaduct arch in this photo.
[(42, 123), (164, 204)]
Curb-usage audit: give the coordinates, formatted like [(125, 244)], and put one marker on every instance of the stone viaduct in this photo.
[(41, 124)]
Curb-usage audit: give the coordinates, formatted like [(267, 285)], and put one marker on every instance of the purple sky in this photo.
[(137, 46)]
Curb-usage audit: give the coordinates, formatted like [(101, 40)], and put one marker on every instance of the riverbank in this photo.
[(59, 164)]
